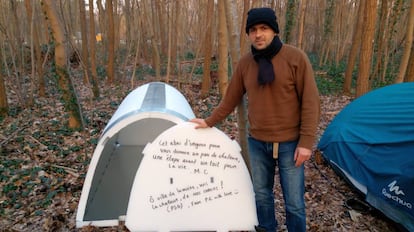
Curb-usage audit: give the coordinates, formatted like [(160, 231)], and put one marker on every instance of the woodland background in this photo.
[(66, 65)]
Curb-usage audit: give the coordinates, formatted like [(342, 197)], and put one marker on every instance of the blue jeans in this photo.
[(292, 181)]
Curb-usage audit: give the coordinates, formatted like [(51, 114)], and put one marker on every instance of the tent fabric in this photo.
[(143, 115), (371, 144)]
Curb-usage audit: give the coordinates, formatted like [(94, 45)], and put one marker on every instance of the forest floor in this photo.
[(43, 165)]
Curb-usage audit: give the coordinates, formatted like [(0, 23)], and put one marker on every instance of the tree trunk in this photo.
[(15, 41), (206, 83), (338, 31), (290, 21), (103, 32), (327, 32), (68, 92), (222, 49), (155, 51), (177, 30), (232, 19), (128, 23), (382, 38), (395, 16), (4, 106), (233, 34), (69, 13), (170, 28), (348, 19), (410, 71), (38, 53), (199, 46), (408, 44), (84, 38), (92, 51), (111, 42), (366, 47), (138, 37), (102, 19), (243, 45), (356, 44), (160, 6), (19, 40), (33, 46), (117, 22), (301, 23)]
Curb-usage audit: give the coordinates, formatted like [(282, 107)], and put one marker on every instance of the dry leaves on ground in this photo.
[(43, 166)]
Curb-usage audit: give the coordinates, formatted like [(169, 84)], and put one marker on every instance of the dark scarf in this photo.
[(264, 59)]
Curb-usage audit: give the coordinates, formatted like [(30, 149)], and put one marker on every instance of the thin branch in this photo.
[(11, 136)]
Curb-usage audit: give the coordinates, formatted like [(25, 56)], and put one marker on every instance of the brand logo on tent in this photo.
[(394, 193), (395, 188)]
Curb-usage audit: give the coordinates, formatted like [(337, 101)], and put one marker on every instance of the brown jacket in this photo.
[(285, 110)]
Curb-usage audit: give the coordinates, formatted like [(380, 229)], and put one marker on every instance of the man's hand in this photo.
[(301, 155), (201, 123)]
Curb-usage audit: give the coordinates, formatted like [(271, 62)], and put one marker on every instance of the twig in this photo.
[(42, 146), (11, 136), (332, 112), (71, 171)]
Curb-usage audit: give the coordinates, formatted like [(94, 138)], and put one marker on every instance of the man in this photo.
[(283, 113)]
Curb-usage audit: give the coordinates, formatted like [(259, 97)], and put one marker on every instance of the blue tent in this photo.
[(371, 144)]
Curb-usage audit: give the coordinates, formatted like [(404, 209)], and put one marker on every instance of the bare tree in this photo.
[(3, 94), (356, 44), (18, 36), (327, 32), (117, 26), (243, 40), (128, 22), (102, 19), (188, 29), (199, 48), (161, 13), (410, 71), (33, 48), (206, 83), (169, 46), (35, 34), (13, 51), (366, 47), (92, 51), (84, 36), (68, 11), (301, 23), (408, 45), (234, 34), (110, 69), (177, 17), (391, 38), (290, 20), (4, 106), (102, 33), (222, 49), (381, 38), (338, 31), (68, 92), (155, 51)]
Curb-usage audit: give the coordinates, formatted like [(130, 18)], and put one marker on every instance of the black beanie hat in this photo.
[(262, 15)]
